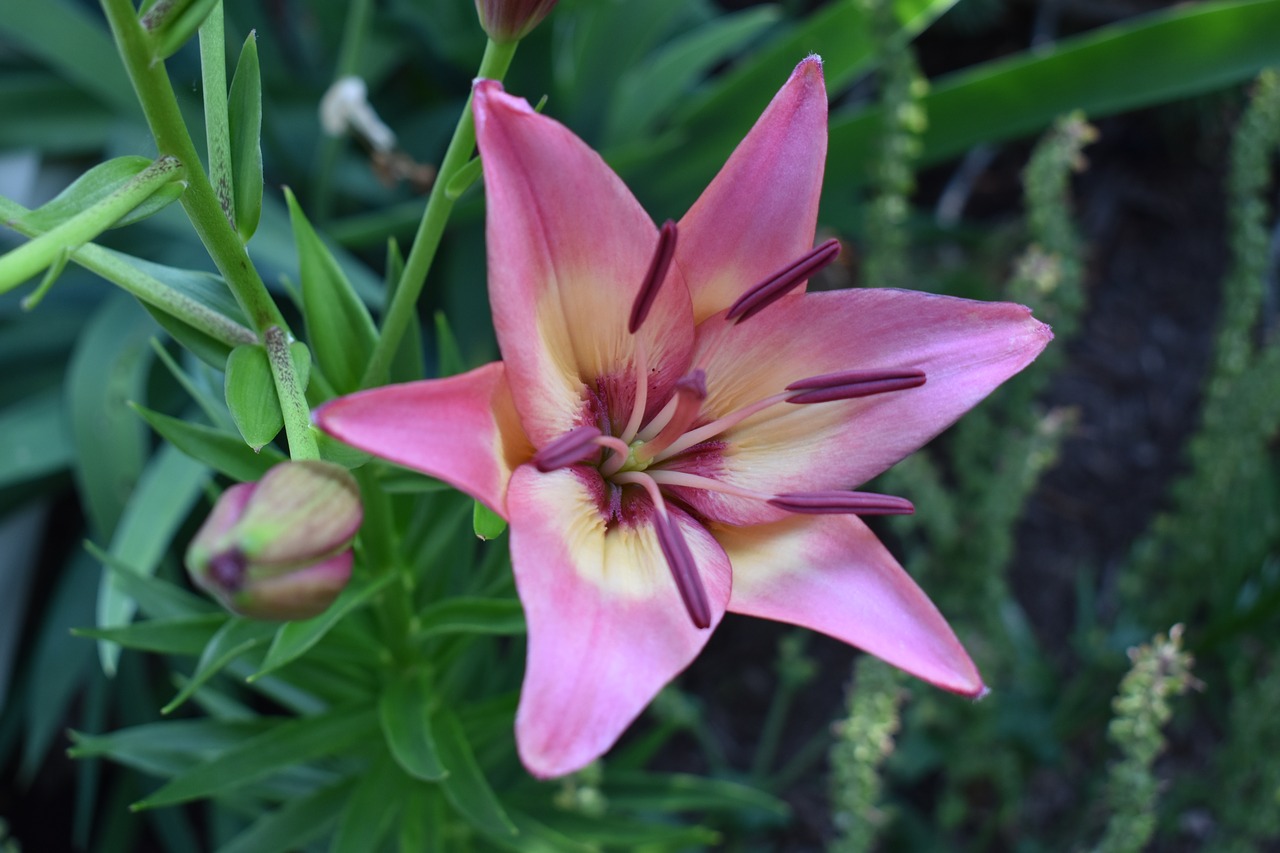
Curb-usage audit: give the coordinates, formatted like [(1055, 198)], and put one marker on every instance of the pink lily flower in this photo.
[(675, 428)]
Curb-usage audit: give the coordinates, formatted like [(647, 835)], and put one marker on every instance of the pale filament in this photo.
[(641, 395), (719, 425), (696, 481)]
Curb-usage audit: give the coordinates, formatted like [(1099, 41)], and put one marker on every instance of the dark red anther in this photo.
[(851, 384), (783, 282), (576, 445), (658, 267), (683, 570), (830, 503)]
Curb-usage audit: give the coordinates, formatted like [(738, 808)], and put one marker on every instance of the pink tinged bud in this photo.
[(511, 20), (658, 268), (683, 570), (783, 282), (576, 445), (830, 503), (279, 548), (851, 384)]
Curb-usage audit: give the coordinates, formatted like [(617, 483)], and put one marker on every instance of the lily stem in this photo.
[(160, 106), (293, 397), (403, 308), (207, 214)]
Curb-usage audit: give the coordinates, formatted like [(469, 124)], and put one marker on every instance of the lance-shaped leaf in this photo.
[(339, 327), (221, 451), (109, 210), (406, 712), (251, 391), (244, 119), (171, 23)]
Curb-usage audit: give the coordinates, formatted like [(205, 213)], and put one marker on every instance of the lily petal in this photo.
[(831, 574), (462, 429), (607, 627), (568, 250), (760, 212), (965, 349)]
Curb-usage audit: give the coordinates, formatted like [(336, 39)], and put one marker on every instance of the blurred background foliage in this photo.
[(1057, 528)]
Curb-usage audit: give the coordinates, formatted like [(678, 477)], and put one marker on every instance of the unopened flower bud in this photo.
[(511, 20), (279, 548)]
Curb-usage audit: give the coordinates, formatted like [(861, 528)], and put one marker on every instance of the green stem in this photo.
[(160, 106), (115, 268), (494, 65), (293, 397), (39, 252), (354, 32)]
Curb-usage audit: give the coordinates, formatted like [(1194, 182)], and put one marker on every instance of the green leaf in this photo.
[(677, 792), (720, 117), (367, 817), (424, 820), (59, 662), (502, 617), (35, 439), (157, 598), (339, 327), (213, 77), (108, 368), (235, 638), (449, 360), (85, 191), (70, 38), (402, 481), (294, 639), (284, 745), (190, 740), (650, 89), (407, 365), (221, 451), (251, 391), (167, 490), (405, 711), (462, 179), (244, 116), (466, 787), (295, 824), (171, 23), (87, 223), (486, 523), (185, 635), (210, 406), (1149, 60)]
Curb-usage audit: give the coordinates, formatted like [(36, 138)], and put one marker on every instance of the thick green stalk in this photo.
[(403, 309), (293, 397), (160, 106)]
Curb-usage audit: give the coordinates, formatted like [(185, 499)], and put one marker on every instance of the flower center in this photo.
[(644, 454)]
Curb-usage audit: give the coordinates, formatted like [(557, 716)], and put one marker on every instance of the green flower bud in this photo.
[(511, 20), (279, 548)]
